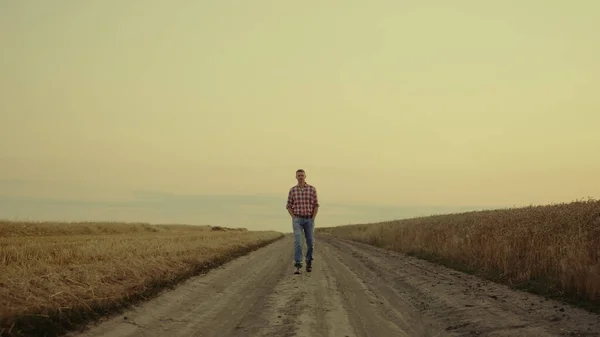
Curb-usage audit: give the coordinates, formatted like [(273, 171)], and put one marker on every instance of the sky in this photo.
[(200, 112)]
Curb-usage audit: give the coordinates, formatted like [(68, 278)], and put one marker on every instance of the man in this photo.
[(303, 205)]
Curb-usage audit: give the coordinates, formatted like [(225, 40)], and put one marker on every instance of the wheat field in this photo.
[(53, 275), (553, 249)]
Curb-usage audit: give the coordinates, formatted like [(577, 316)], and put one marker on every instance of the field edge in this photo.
[(60, 322), (540, 287)]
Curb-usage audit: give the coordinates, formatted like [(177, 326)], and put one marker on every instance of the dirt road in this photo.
[(353, 290)]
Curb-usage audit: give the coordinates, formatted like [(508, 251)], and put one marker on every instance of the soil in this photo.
[(353, 290)]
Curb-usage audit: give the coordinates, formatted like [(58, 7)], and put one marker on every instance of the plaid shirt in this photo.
[(302, 200)]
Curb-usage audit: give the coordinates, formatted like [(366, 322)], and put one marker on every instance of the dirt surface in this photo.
[(353, 290)]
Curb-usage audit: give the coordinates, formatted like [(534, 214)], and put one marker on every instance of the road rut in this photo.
[(354, 290)]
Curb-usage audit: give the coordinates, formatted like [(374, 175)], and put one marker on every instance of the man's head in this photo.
[(300, 176)]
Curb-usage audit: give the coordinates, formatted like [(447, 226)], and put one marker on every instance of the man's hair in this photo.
[(300, 170)]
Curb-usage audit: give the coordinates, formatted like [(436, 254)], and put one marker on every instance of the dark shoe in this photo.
[(298, 265), (309, 267)]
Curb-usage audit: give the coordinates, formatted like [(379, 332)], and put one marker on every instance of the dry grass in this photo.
[(554, 246), (53, 275)]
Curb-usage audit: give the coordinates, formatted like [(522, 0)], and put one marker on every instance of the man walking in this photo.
[(303, 205)]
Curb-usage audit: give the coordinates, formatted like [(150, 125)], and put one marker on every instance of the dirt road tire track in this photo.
[(354, 290)]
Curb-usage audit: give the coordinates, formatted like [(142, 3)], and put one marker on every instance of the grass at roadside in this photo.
[(54, 276), (551, 250)]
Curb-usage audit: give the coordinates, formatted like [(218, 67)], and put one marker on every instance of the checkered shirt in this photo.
[(302, 200)]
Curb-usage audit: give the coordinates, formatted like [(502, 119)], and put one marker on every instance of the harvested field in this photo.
[(55, 275), (552, 250)]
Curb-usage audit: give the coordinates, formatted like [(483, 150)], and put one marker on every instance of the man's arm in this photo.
[(315, 204), (289, 205)]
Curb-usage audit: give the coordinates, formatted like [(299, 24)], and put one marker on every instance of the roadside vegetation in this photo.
[(550, 250), (54, 276)]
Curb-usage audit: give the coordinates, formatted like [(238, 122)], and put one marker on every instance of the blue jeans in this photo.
[(305, 226)]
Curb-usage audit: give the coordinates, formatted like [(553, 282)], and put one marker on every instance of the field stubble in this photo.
[(54, 276), (551, 250)]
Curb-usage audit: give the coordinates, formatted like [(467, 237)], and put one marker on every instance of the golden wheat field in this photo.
[(56, 274), (556, 245)]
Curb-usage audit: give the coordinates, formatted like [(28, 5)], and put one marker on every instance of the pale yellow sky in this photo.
[(384, 103)]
